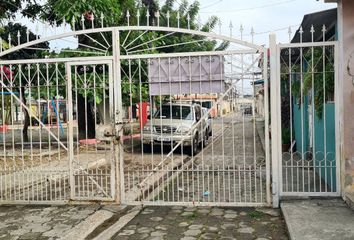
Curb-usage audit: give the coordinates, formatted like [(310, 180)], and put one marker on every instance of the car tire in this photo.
[(204, 143), (193, 149), (147, 148)]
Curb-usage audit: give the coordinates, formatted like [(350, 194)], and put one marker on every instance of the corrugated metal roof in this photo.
[(317, 19)]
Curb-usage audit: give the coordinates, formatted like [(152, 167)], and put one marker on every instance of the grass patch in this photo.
[(192, 217), (274, 227), (255, 214)]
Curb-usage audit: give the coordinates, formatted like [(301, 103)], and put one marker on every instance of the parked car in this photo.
[(174, 123), (209, 104), (246, 109)]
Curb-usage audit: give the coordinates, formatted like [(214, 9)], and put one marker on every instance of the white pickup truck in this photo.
[(177, 123)]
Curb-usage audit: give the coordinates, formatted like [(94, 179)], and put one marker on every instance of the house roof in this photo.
[(317, 20)]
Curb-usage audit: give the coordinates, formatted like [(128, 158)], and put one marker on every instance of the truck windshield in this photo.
[(205, 104), (174, 112)]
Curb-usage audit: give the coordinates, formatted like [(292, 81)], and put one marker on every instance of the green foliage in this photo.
[(318, 78), (256, 214), (133, 90), (69, 10), (12, 30), (8, 8), (286, 136)]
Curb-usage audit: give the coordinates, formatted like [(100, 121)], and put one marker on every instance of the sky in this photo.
[(264, 16)]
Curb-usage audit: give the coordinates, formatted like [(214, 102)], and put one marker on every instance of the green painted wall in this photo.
[(328, 171), (299, 126), (325, 133)]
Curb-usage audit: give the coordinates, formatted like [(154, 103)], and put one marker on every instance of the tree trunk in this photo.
[(86, 129), (152, 6), (27, 117)]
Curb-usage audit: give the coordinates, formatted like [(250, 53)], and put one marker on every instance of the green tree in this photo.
[(318, 78), (56, 11), (8, 8), (12, 30)]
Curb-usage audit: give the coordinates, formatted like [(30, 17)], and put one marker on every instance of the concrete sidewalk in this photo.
[(318, 219)]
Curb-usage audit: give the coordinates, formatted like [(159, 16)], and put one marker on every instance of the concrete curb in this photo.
[(116, 227), (83, 229), (349, 199), (286, 216)]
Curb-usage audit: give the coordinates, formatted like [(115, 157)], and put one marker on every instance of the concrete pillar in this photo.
[(346, 91)]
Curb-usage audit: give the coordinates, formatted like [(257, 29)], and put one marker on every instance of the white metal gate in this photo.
[(305, 136), (57, 160), (32, 166), (134, 121), (92, 165), (177, 155)]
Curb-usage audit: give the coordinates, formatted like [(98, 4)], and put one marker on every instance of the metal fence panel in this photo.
[(173, 156), (308, 141)]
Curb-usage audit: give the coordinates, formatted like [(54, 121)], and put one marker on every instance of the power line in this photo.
[(251, 8), (211, 4), (277, 29)]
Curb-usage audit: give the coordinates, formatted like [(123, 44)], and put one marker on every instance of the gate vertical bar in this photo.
[(70, 132), (113, 158), (266, 124), (118, 118), (338, 117), (275, 124)]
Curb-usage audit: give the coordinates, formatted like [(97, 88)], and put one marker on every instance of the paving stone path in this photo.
[(41, 222), (189, 223)]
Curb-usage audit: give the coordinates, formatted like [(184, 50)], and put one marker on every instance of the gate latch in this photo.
[(105, 132)]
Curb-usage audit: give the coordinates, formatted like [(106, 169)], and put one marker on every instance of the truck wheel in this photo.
[(147, 148), (193, 149), (206, 138), (204, 143)]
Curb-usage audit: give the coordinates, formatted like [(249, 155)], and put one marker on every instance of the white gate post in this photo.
[(275, 118), (70, 131), (118, 119), (266, 124)]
